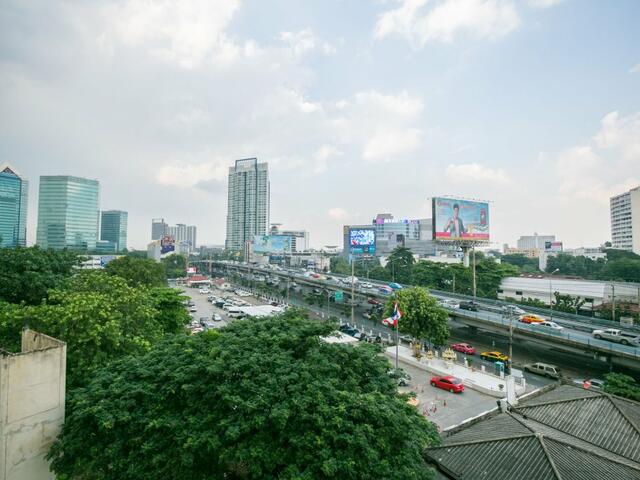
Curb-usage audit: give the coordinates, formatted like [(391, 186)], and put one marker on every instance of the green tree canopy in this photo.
[(422, 316), (622, 385), (26, 274), (138, 271), (261, 398), (100, 317), (400, 264), (175, 266)]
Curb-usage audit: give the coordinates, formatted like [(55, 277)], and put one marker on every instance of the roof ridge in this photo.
[(567, 400), (474, 442), (540, 438), (631, 463), (577, 437), (521, 422), (626, 417)]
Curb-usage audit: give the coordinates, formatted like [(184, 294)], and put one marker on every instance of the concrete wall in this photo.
[(32, 393)]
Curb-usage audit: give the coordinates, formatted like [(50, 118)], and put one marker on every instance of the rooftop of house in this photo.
[(567, 433)]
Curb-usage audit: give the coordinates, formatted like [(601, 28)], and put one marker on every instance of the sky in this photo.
[(359, 107)]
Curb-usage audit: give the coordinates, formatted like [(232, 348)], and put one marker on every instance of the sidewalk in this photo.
[(476, 379)]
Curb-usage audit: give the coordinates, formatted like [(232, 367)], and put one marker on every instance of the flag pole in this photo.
[(397, 327)]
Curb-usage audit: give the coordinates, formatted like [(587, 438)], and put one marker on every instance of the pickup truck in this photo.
[(618, 336)]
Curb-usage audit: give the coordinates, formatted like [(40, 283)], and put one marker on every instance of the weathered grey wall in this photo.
[(32, 391)]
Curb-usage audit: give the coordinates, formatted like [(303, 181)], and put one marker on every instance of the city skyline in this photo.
[(359, 109)]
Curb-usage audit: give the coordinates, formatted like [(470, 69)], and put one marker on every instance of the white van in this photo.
[(235, 312)]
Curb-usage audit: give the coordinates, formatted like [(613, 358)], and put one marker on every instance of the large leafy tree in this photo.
[(622, 385), (422, 316), (175, 265), (260, 399), (100, 317), (138, 271), (26, 274), (399, 264)]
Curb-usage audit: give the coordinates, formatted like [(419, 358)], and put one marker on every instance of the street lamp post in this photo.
[(550, 294)]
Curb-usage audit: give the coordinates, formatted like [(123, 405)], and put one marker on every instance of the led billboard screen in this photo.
[(362, 240), (272, 244), (456, 219)]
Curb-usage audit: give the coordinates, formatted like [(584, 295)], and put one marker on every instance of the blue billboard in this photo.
[(272, 244), (362, 241)]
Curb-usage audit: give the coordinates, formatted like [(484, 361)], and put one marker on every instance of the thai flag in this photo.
[(392, 321)]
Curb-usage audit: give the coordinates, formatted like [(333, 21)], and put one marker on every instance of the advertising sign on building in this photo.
[(167, 244), (457, 219), (362, 240), (339, 296), (272, 244)]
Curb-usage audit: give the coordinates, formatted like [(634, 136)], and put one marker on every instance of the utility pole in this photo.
[(613, 302), (454, 282), (510, 340)]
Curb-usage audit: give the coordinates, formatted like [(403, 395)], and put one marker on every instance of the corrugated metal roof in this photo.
[(498, 427), (513, 458), (577, 464), (595, 420)]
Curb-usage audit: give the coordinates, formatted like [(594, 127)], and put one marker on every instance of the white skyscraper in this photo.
[(183, 233), (248, 202), (625, 220)]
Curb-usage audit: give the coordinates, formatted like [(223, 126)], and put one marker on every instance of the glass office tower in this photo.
[(68, 213), (113, 229), (14, 190)]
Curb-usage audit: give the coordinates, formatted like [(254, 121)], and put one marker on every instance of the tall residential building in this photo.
[(113, 229), (158, 228), (625, 220), (248, 202), (14, 190), (535, 241), (68, 212), (182, 233)]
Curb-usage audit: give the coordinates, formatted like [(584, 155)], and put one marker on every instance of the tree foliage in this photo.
[(138, 271), (422, 316), (100, 317), (622, 386), (26, 274), (261, 398), (400, 264), (175, 266)]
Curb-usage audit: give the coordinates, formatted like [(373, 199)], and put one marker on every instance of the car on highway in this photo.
[(513, 310), (448, 382), (546, 325), (374, 301), (463, 348), (530, 318), (544, 369), (589, 383), (450, 303), (385, 290), (615, 335), (471, 306), (366, 285), (494, 356), (395, 286)]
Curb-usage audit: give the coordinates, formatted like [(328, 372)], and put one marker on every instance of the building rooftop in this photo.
[(565, 434)]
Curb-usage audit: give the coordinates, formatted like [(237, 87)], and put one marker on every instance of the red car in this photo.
[(463, 348), (448, 382), (373, 301)]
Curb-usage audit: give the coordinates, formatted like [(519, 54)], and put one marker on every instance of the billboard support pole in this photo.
[(353, 263), (473, 250)]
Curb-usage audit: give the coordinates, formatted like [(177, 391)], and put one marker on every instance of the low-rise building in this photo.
[(568, 433), (32, 401)]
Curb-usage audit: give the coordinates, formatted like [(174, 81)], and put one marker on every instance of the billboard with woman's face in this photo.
[(457, 219)]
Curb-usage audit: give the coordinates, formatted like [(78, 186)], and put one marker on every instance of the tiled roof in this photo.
[(566, 434)]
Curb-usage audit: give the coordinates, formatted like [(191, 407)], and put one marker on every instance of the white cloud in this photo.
[(544, 3), (304, 41), (184, 32), (476, 173), (635, 68), (448, 19), (387, 144), (321, 157), (189, 175), (608, 165), (337, 213)]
